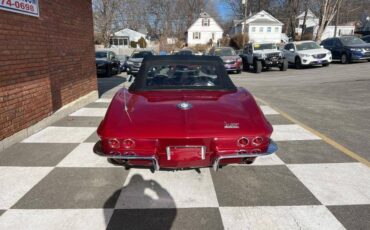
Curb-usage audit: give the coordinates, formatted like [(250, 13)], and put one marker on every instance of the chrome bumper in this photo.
[(272, 148), (153, 159)]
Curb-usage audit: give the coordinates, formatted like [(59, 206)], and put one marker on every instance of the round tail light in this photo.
[(128, 143), (113, 143), (256, 151), (257, 141), (243, 142)]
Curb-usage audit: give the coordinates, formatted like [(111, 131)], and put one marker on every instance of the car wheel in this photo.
[(257, 66), (108, 73), (326, 64), (245, 65), (344, 59), (297, 63), (284, 66), (238, 71)]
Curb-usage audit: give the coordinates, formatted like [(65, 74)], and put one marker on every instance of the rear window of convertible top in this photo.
[(183, 75)]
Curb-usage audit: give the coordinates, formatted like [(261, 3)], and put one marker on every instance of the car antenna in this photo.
[(126, 109)]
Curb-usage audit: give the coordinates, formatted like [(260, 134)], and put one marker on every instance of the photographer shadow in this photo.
[(142, 204)]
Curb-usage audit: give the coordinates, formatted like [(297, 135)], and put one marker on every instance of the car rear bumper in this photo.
[(154, 159)]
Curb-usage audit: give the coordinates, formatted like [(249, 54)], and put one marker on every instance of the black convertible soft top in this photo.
[(208, 73)]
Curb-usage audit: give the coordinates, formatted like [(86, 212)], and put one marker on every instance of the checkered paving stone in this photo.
[(52, 180)]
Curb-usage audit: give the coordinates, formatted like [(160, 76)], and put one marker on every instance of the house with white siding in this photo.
[(260, 27), (122, 38), (312, 26), (204, 30)]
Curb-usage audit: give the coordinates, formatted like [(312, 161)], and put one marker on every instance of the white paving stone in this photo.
[(17, 181), (267, 110), (54, 134), (279, 217), (104, 100), (292, 133), (336, 184), (272, 159), (90, 112), (83, 156), (163, 189), (56, 219)]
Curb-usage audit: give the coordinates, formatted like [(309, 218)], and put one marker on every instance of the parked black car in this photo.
[(106, 63), (134, 62), (347, 48), (123, 62), (366, 38)]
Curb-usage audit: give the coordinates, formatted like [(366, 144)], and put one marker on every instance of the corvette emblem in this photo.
[(184, 105), (231, 125)]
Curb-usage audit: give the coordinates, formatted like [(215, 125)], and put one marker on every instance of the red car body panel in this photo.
[(153, 121)]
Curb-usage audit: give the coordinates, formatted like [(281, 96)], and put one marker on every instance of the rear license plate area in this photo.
[(185, 153)]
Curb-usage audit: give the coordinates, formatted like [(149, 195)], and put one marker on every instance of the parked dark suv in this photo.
[(366, 38), (106, 63), (347, 48)]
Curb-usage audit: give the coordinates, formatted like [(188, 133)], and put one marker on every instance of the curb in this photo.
[(56, 116)]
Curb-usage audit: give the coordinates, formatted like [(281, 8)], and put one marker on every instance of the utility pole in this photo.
[(245, 4), (337, 19)]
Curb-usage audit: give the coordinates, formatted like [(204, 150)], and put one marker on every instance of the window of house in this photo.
[(115, 41), (120, 42), (213, 36), (261, 29), (125, 41), (253, 29), (196, 35), (276, 29), (206, 21), (268, 29)]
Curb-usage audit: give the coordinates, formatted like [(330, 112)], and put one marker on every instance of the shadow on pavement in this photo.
[(141, 204), (106, 84)]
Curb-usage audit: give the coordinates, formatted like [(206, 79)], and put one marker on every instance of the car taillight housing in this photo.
[(257, 141), (243, 142), (114, 143), (128, 143)]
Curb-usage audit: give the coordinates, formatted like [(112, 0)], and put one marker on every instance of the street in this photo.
[(310, 183)]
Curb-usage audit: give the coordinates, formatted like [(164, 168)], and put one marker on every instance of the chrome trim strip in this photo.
[(129, 156), (203, 150), (272, 148)]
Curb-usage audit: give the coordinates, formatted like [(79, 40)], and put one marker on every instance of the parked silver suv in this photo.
[(263, 55)]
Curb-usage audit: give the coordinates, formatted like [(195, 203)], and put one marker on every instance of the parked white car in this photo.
[(305, 53)]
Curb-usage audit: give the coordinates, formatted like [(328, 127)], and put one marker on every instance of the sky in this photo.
[(222, 8)]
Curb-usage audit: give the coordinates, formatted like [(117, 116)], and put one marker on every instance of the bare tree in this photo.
[(105, 13), (328, 9), (293, 13)]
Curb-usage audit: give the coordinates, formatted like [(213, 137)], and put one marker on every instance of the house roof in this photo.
[(204, 15), (309, 15), (129, 33), (257, 18)]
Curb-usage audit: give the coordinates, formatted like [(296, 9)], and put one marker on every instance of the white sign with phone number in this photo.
[(28, 7)]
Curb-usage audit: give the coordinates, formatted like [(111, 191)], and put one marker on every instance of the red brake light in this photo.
[(128, 143), (243, 142), (257, 141), (113, 143)]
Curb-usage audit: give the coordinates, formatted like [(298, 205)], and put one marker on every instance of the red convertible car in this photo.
[(183, 112)]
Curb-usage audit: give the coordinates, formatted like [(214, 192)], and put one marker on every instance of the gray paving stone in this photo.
[(189, 218), (309, 152), (260, 186), (93, 138), (352, 216), (278, 120), (73, 188), (35, 154)]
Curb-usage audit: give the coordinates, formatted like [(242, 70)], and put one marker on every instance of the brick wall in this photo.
[(45, 62)]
